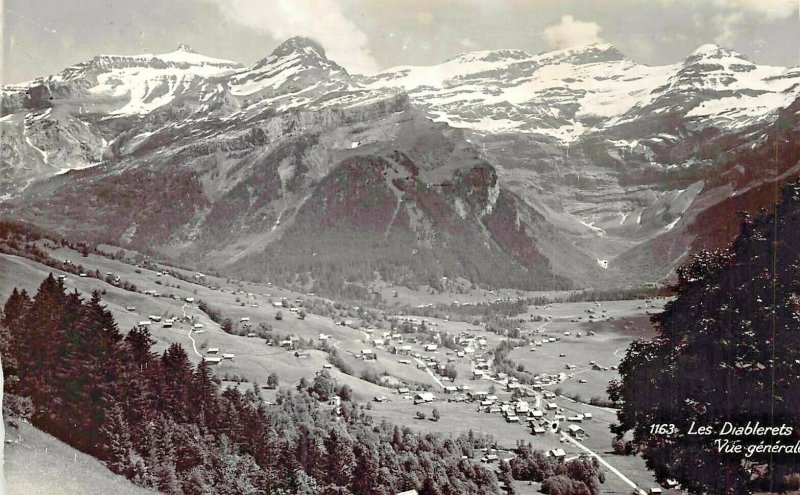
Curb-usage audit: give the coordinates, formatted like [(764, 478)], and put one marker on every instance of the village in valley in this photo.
[(416, 359)]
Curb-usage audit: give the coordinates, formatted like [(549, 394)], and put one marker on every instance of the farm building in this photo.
[(144, 323), (537, 430), (154, 318), (431, 347), (130, 308), (424, 397), (450, 389), (368, 354), (403, 390), (212, 360), (557, 453), (213, 350), (197, 326), (227, 356), (244, 319)]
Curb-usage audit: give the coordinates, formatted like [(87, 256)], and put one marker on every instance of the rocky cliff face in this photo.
[(564, 168)]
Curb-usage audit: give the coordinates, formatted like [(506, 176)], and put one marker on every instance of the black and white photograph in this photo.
[(400, 247)]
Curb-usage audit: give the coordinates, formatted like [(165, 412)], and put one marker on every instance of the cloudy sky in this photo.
[(41, 37)]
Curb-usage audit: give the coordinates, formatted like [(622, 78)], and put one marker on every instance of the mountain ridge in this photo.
[(593, 154)]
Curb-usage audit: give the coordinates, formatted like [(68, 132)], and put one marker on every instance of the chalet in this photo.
[(213, 350), (477, 374), (277, 304), (521, 407), (368, 354), (251, 335), (557, 453), (570, 366), (327, 366), (323, 337), (487, 403), (551, 406), (189, 300), (512, 386), (404, 361), (130, 308), (302, 354), (154, 318), (478, 394), (450, 389), (512, 418), (538, 430), (244, 319), (489, 458), (403, 390), (576, 431), (145, 323), (431, 347), (166, 324), (587, 415), (409, 492), (424, 397), (576, 419), (536, 413), (227, 356), (406, 349), (654, 491), (287, 344), (197, 326), (212, 360)]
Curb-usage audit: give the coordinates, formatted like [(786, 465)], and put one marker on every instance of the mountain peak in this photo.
[(711, 51), (587, 54), (299, 44)]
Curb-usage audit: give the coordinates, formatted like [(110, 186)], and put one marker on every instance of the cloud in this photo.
[(322, 20), (571, 32), (769, 9), (727, 26)]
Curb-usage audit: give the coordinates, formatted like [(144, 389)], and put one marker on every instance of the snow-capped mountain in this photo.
[(557, 165), (570, 93)]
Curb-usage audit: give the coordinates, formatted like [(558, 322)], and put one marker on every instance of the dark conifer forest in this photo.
[(166, 424), (727, 350)]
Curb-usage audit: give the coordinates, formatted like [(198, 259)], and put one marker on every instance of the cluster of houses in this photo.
[(214, 357)]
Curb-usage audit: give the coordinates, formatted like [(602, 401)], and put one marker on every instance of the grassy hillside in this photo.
[(39, 464)]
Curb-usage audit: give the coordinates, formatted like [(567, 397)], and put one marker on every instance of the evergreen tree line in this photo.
[(166, 424)]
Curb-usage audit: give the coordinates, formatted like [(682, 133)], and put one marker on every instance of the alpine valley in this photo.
[(570, 169)]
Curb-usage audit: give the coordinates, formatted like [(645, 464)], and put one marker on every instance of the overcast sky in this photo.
[(42, 37)]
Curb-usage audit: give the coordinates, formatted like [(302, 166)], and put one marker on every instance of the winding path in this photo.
[(194, 344)]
